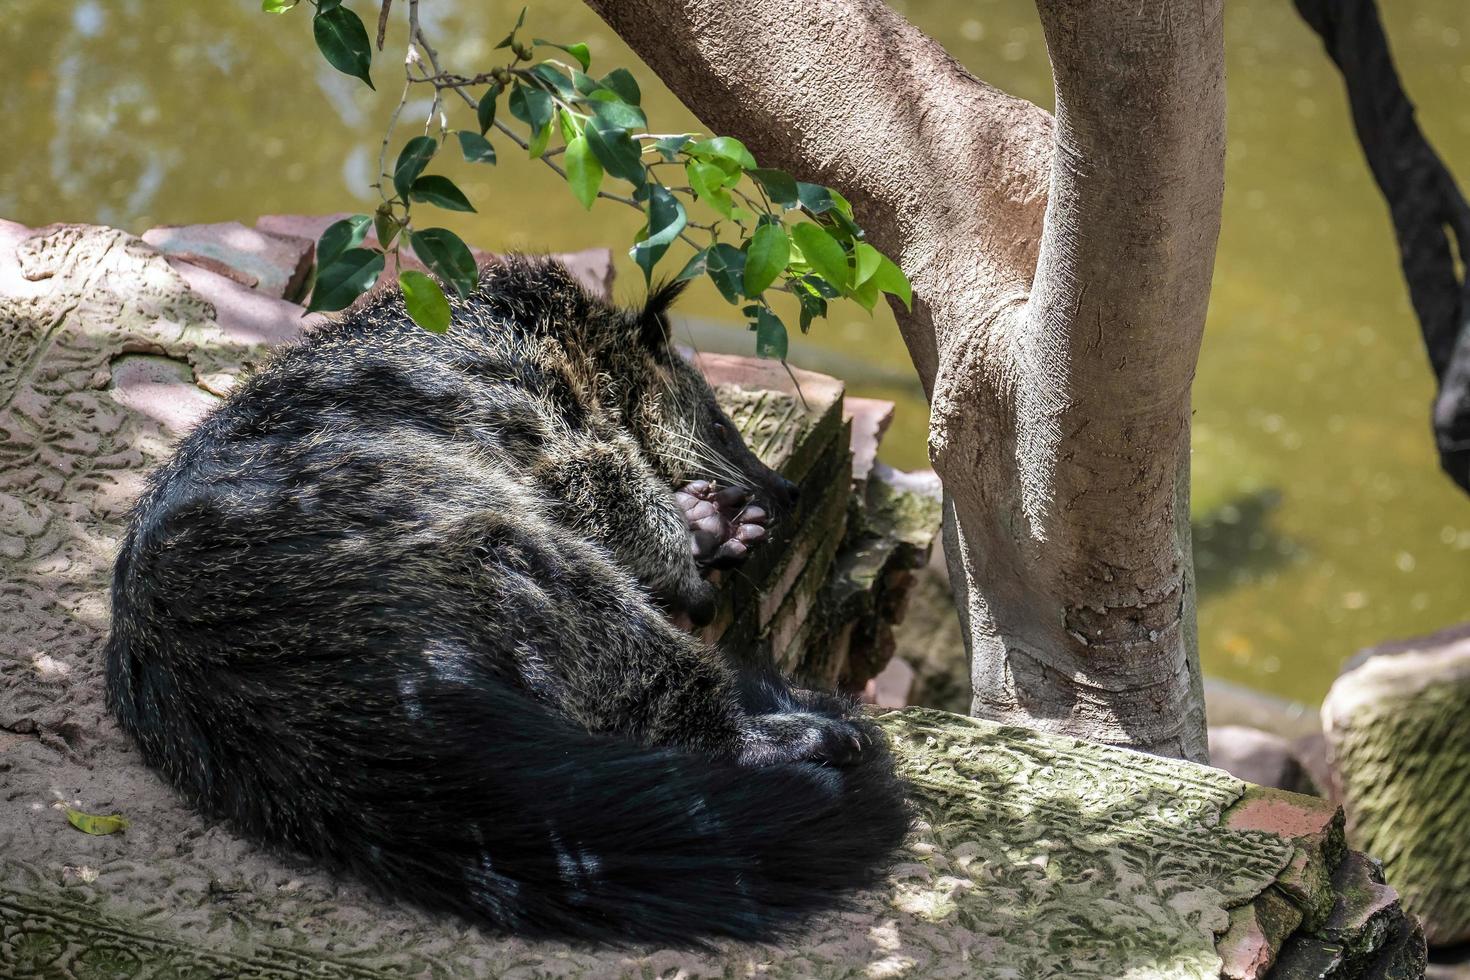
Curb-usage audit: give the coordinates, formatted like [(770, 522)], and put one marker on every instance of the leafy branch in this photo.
[(782, 233)]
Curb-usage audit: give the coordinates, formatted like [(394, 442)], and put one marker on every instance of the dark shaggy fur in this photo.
[(400, 605)]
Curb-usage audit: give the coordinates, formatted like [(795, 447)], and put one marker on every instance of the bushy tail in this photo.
[(491, 806)]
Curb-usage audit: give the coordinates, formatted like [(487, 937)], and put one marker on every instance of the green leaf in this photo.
[(819, 287), (485, 109), (345, 278), (780, 186), (412, 160), (277, 6), (725, 150), (621, 81), (385, 225), (325, 5), (866, 295), (840, 202), (865, 259), (570, 130), (340, 236), (476, 148), (584, 172), (553, 76), (441, 191), (708, 181), (765, 258), (91, 823), (511, 37), (670, 146), (531, 106), (726, 267), (617, 115), (814, 197), (343, 41), (666, 219), (694, 268), (578, 50), (424, 301), (618, 153), (812, 303), (890, 278), (770, 335), (539, 142), (584, 84), (841, 216), (448, 257), (823, 253)]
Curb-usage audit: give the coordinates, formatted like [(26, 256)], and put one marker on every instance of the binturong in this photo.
[(402, 604)]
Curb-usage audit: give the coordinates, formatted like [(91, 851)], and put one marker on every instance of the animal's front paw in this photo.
[(723, 524)]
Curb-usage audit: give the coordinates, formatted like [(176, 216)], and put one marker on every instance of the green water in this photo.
[(1322, 522)]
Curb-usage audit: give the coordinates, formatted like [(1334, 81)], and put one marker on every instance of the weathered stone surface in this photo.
[(1366, 934), (1315, 829), (1256, 934), (1367, 911), (1258, 757), (793, 422), (278, 265), (870, 418), (893, 522), (1397, 725), (890, 689)]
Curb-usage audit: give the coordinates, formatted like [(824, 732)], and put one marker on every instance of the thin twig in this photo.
[(383, 22), (392, 122), (441, 79)]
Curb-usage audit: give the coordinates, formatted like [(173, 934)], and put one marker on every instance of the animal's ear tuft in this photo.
[(654, 320)]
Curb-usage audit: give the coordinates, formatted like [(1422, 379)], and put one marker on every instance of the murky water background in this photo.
[(1322, 522)]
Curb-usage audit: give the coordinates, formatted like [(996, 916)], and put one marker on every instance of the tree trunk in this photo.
[(1061, 270)]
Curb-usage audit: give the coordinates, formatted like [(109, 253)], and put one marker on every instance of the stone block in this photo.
[(1316, 830), (869, 418), (890, 689), (1397, 728), (1367, 933), (276, 264), (1259, 757), (1256, 934), (1227, 703)]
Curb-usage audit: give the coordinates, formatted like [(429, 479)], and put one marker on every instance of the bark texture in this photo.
[(1061, 270)]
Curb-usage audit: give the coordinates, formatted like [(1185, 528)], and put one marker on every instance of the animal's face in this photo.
[(683, 428)]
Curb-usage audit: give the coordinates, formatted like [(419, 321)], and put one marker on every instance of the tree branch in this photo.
[(1426, 206)]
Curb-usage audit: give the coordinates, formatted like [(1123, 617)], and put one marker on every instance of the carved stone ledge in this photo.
[(1032, 855)]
